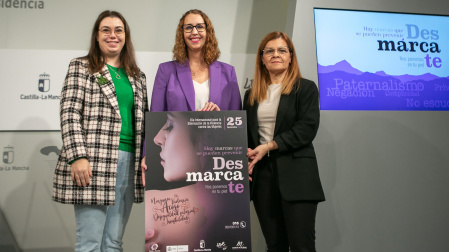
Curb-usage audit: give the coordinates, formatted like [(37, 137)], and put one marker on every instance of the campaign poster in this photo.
[(381, 60), (196, 184)]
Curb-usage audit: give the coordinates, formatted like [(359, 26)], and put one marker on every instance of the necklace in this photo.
[(200, 69), (116, 74)]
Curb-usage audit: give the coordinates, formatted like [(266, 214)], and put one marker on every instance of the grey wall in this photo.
[(384, 173), (64, 27)]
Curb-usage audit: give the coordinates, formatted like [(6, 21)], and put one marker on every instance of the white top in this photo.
[(202, 91), (267, 111)]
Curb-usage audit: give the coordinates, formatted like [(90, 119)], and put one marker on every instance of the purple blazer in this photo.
[(173, 88)]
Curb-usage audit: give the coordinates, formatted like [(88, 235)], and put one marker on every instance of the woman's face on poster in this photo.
[(178, 153)]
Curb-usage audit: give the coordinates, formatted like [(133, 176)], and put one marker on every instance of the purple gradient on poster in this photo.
[(343, 87), (197, 183), (371, 60)]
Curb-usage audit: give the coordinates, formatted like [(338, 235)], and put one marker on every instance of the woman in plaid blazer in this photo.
[(102, 115)]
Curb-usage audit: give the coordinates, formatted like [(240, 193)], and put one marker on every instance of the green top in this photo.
[(125, 98)]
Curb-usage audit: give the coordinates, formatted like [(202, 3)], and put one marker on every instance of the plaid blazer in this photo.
[(90, 127)]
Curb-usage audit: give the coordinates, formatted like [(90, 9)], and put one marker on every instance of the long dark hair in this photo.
[(127, 56)]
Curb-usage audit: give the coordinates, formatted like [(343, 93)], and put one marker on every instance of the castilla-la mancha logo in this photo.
[(44, 82), (8, 154)]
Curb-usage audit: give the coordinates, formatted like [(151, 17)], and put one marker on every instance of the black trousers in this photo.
[(285, 224)]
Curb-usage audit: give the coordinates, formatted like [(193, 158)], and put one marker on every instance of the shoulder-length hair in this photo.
[(127, 56), (262, 79), (210, 49)]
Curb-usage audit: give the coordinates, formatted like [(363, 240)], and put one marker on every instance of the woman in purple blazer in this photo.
[(195, 80)]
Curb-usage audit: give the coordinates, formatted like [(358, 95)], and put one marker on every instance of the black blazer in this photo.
[(296, 126)]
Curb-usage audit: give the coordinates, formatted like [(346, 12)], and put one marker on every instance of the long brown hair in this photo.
[(262, 79), (127, 56), (210, 49)]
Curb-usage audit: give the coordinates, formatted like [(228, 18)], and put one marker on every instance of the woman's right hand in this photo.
[(255, 155), (210, 106), (250, 159), (143, 165), (81, 172)]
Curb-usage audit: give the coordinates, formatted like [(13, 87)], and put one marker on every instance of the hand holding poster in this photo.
[(197, 190)]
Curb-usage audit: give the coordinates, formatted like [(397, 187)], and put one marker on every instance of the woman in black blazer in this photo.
[(283, 118)]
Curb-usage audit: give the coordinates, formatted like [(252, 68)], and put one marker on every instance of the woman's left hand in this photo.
[(210, 106)]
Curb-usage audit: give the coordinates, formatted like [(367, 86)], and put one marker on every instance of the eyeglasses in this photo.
[(268, 51), (188, 28), (119, 31)]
